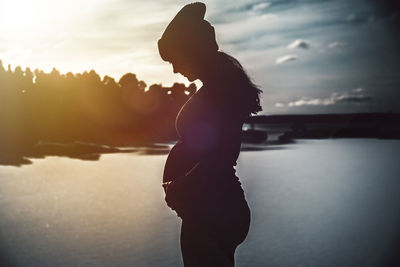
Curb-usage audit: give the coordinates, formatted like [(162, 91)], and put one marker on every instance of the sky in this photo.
[(308, 56)]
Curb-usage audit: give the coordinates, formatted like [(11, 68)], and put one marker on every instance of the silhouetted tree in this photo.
[(38, 106)]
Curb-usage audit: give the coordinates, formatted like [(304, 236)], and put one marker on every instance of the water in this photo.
[(313, 203)]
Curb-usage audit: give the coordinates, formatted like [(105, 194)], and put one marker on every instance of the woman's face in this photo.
[(187, 66)]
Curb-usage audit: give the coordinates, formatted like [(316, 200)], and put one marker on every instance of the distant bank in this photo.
[(359, 125)]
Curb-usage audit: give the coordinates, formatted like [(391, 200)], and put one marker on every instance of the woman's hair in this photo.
[(189, 33), (238, 85)]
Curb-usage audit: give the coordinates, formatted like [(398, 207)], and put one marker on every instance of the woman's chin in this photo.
[(191, 78)]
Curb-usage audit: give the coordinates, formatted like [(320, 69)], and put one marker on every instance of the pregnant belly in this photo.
[(179, 162)]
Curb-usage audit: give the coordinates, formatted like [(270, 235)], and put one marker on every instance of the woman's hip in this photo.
[(224, 221)]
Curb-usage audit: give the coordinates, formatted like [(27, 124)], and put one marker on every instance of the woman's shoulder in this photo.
[(213, 100)]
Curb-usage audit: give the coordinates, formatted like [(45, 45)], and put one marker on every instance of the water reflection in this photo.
[(315, 203), (93, 152), (74, 150)]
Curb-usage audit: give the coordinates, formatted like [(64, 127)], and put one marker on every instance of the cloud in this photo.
[(358, 90), (119, 36), (336, 44), (355, 96), (361, 17), (279, 105), (286, 58), (351, 17), (299, 44), (260, 6), (371, 18)]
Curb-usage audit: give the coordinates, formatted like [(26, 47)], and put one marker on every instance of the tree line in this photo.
[(37, 106)]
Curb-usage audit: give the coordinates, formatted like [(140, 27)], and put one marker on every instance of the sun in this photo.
[(16, 15)]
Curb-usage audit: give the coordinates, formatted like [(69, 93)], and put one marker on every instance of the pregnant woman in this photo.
[(199, 175)]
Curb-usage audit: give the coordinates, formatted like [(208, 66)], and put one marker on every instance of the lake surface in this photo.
[(315, 203)]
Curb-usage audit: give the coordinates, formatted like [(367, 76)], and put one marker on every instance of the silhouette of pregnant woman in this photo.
[(199, 175)]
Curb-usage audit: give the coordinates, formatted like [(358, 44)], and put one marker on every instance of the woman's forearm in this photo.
[(178, 163)]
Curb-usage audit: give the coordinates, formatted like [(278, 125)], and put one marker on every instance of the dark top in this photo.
[(209, 128)]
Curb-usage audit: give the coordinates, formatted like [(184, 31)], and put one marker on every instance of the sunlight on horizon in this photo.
[(16, 15), (34, 29), (41, 16), (115, 37), (67, 35)]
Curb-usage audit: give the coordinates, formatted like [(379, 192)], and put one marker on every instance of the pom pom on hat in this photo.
[(187, 31)]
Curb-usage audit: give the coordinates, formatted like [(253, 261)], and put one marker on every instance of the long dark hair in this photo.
[(238, 85)]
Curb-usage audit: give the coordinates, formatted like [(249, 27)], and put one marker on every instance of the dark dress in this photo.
[(217, 218)]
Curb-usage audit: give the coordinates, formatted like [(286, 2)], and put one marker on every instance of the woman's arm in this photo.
[(178, 163), (205, 125)]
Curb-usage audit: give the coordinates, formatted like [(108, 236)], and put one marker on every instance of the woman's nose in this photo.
[(175, 69)]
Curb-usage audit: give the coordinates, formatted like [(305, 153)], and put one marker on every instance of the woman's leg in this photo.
[(202, 247), (211, 233)]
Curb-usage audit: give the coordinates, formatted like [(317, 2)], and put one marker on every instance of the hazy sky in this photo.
[(308, 56)]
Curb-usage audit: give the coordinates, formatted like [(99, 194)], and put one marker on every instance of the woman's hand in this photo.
[(165, 186), (172, 194), (170, 198)]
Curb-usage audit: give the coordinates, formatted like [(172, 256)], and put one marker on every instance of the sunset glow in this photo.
[(18, 15), (327, 45)]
